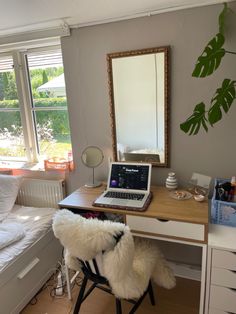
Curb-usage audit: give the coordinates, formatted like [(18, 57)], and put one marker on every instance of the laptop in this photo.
[(128, 186)]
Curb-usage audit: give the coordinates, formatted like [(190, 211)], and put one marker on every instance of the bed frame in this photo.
[(26, 274)]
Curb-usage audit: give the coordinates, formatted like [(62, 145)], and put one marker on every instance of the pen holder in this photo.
[(222, 212)]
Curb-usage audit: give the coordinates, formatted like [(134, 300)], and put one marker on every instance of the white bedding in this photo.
[(160, 152), (10, 233), (35, 221)]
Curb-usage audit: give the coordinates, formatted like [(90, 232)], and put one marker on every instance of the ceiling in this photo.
[(19, 16)]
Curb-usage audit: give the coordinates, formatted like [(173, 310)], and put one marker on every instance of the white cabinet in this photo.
[(221, 271)]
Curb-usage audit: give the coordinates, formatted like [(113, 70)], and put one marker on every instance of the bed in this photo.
[(27, 263), (145, 155)]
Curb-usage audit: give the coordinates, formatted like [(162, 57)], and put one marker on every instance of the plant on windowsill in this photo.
[(224, 96)]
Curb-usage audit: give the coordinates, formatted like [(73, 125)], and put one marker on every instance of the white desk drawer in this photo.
[(216, 311), (223, 277), (223, 299), (169, 228), (224, 259)]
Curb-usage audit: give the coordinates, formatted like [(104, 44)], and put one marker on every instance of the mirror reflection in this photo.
[(138, 84)]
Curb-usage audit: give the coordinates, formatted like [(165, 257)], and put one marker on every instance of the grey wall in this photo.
[(186, 32)]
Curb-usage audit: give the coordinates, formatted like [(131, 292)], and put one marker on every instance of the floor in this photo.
[(183, 299)]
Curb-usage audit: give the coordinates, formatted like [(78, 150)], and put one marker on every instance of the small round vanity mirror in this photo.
[(92, 157)]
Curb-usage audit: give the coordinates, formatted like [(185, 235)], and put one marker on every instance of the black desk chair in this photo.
[(111, 258), (102, 283)]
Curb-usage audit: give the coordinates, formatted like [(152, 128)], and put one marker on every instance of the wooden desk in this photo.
[(167, 219), (162, 207)]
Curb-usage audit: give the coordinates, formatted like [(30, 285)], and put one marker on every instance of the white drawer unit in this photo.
[(216, 311), (169, 228), (221, 271), (223, 298), (223, 277), (224, 259)]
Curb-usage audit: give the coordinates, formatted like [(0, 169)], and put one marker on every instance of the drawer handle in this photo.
[(162, 220), (28, 268), (233, 289)]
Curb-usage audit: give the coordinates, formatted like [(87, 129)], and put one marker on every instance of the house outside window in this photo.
[(34, 122)]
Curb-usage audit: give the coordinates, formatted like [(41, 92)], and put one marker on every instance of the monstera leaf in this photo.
[(211, 57), (222, 101), (222, 17), (195, 121), (224, 96)]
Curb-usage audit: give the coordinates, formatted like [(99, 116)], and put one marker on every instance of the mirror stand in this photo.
[(94, 183)]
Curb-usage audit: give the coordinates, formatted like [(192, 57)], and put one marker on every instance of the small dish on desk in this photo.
[(180, 195), (199, 197)]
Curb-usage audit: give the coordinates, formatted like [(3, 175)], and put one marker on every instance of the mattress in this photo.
[(36, 222)]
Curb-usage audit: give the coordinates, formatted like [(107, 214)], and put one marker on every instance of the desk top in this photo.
[(162, 205)]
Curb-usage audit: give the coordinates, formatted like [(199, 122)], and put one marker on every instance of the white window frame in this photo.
[(25, 99)]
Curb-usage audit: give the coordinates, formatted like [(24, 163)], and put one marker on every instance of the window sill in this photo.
[(21, 165)]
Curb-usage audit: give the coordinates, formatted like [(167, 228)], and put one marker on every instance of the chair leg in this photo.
[(150, 291), (80, 296), (118, 306), (137, 304)]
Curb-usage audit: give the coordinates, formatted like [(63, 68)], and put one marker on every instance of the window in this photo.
[(11, 139), (33, 107)]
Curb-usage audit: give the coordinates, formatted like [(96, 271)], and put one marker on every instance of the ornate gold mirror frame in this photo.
[(139, 105)]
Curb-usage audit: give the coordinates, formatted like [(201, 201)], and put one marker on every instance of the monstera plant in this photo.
[(224, 96)]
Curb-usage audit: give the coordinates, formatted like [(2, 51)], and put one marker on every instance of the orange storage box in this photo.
[(58, 164)]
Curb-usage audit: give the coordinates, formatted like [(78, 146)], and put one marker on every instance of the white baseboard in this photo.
[(192, 272)]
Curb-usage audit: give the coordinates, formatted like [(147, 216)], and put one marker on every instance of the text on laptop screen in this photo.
[(133, 177)]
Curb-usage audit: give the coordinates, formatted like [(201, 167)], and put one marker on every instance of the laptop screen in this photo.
[(129, 176)]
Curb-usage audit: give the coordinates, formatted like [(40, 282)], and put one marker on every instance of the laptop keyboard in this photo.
[(124, 195)]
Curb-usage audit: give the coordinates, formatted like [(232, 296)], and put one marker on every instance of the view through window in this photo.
[(33, 106), (11, 137)]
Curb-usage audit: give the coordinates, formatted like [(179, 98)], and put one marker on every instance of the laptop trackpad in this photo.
[(121, 202)]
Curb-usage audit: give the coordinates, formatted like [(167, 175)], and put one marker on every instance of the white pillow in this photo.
[(9, 187)]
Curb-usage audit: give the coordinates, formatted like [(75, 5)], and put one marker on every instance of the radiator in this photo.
[(41, 193)]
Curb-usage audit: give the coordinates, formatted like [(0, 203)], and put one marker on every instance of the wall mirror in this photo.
[(138, 90)]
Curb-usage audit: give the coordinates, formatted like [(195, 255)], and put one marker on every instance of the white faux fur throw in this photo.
[(128, 265)]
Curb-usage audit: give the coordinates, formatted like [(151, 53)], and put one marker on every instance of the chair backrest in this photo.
[(86, 238), (92, 272), (93, 269)]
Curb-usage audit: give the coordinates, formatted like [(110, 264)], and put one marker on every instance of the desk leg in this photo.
[(208, 277), (68, 282), (203, 279)]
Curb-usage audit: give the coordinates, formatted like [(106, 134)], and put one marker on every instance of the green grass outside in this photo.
[(58, 149)]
